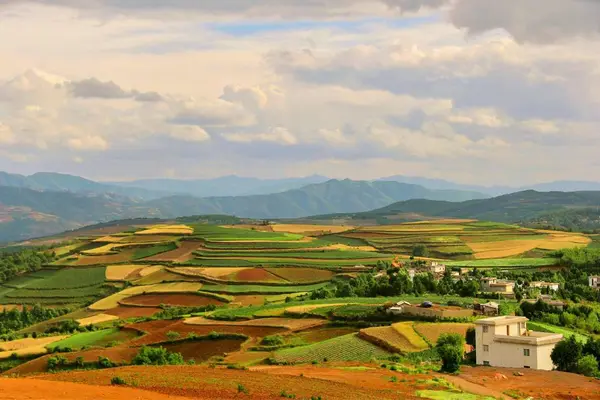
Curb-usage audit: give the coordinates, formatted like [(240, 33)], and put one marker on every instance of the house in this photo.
[(437, 268), (544, 285), (506, 342), (494, 285), (398, 308), (594, 282), (490, 308)]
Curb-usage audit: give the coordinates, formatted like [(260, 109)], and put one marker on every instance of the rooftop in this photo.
[(503, 320), (532, 338)]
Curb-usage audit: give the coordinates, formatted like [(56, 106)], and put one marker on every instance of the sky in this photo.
[(474, 91)]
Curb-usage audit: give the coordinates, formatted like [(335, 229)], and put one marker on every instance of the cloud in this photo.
[(211, 113), (94, 88), (535, 21), (188, 133), (6, 134), (88, 143), (278, 135)]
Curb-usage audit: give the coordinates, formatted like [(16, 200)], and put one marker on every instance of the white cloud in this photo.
[(188, 133), (6, 134), (278, 135), (88, 143)]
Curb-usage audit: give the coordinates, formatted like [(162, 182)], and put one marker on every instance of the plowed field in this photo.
[(132, 312), (182, 253), (287, 323), (172, 299), (433, 331), (202, 350), (302, 274)]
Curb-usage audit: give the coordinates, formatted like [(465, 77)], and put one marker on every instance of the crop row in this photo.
[(258, 262), (261, 289), (220, 234), (315, 254)]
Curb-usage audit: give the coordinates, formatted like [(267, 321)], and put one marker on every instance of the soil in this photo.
[(182, 253), (202, 350), (315, 335), (256, 275), (13, 389), (250, 300), (132, 312), (172, 299)]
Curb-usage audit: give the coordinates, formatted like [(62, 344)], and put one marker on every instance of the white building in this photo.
[(494, 285), (506, 342), (542, 285), (594, 282), (437, 268)]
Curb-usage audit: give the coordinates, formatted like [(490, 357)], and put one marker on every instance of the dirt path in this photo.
[(24, 389), (474, 388)]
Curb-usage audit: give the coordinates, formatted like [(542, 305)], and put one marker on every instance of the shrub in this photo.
[(172, 336), (450, 347), (470, 336), (588, 366), (287, 395), (104, 362), (56, 361), (79, 362), (242, 389), (566, 354), (34, 335), (117, 381), (273, 340), (157, 356)]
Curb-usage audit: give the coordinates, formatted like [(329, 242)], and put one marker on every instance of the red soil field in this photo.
[(201, 382), (132, 312), (255, 275), (302, 274), (546, 385), (157, 330), (182, 253), (172, 299), (37, 389), (202, 350)]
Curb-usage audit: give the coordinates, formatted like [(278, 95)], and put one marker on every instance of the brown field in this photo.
[(157, 330), (109, 239), (182, 253), (96, 319), (112, 301), (128, 272), (432, 331), (287, 323), (171, 299), (302, 274), (121, 257), (255, 275), (22, 344), (132, 312), (310, 229), (200, 351), (202, 383), (249, 300), (314, 335), (388, 338)]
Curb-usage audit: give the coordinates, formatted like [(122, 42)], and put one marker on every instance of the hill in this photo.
[(26, 213), (525, 207)]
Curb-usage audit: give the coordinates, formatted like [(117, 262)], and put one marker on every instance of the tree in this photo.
[(420, 250), (592, 347), (566, 354), (588, 366), (172, 336), (470, 336), (451, 349)]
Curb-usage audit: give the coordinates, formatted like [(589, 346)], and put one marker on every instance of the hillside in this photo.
[(516, 207), (26, 213)]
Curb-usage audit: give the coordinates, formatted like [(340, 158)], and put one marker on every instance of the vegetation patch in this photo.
[(258, 289)]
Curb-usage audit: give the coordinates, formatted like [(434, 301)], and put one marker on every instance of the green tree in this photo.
[(172, 336), (470, 336), (451, 349), (588, 366), (420, 250), (566, 354)]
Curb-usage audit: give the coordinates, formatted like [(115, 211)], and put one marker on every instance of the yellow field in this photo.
[(305, 228), (407, 330), (508, 248), (167, 230), (121, 272), (150, 270), (27, 347), (61, 251), (210, 272), (101, 251), (308, 308), (433, 331), (109, 239), (340, 246), (288, 323), (390, 338), (96, 319), (177, 287)]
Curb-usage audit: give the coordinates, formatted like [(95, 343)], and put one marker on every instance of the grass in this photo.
[(543, 327), (504, 263), (239, 246), (71, 278), (261, 289), (272, 262), (308, 254), (343, 348), (220, 234), (445, 395), (145, 252), (79, 340)]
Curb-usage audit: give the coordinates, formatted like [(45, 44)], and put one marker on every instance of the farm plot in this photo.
[(260, 289), (202, 350), (166, 230), (121, 257), (343, 348), (182, 253), (27, 347), (399, 338), (223, 234), (70, 278), (432, 331), (505, 263), (112, 301), (95, 338), (129, 272), (162, 275), (170, 299), (291, 324), (97, 319), (124, 312)]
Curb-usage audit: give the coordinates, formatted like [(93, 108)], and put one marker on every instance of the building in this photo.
[(494, 285), (437, 268), (398, 308), (506, 342), (490, 308), (544, 285), (594, 282)]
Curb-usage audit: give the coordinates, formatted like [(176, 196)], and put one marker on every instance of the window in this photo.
[(526, 366), (486, 347), (486, 363), (526, 352), (485, 329)]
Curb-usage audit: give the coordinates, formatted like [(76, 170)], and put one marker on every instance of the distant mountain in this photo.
[(224, 186), (70, 183), (523, 206), (556, 186), (21, 208)]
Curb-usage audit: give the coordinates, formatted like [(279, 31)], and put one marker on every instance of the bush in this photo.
[(157, 356), (55, 362), (588, 366), (273, 340), (242, 389), (451, 348), (172, 336), (104, 362), (566, 354), (117, 381), (470, 336), (79, 362)]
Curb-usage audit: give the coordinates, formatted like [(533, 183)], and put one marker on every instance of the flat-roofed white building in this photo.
[(594, 282), (495, 285), (542, 285), (506, 342)]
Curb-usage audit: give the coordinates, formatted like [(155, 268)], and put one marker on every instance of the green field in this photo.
[(95, 338), (504, 263), (261, 289), (543, 327), (309, 254), (219, 234), (145, 252), (343, 348), (269, 262), (70, 278)]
